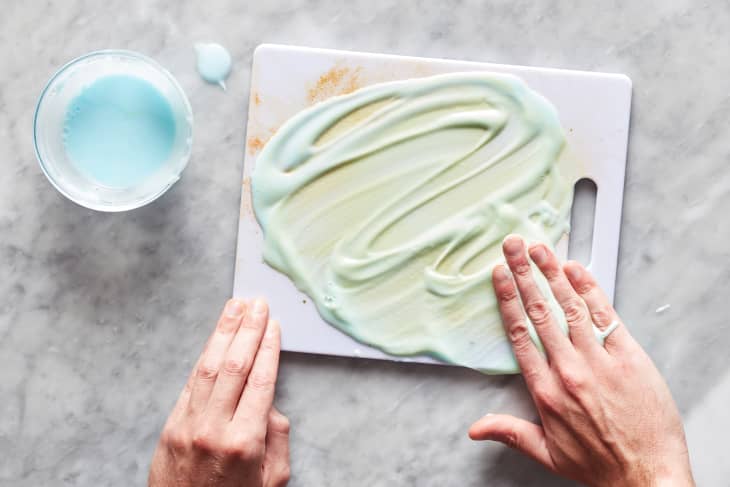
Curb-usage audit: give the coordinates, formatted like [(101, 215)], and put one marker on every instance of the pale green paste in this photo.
[(388, 207)]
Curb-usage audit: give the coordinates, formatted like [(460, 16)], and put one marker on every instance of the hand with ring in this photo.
[(607, 416)]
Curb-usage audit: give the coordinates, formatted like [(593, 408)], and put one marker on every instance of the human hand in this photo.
[(224, 431), (608, 418)]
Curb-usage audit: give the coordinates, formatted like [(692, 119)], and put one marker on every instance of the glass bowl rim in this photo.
[(107, 52)]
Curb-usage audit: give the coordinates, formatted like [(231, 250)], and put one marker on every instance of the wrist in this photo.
[(680, 479), (677, 474), (677, 477), (665, 478)]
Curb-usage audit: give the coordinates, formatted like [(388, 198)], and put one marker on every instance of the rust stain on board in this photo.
[(339, 80), (256, 143), (246, 202)]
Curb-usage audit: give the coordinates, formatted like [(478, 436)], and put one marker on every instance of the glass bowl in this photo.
[(50, 121)]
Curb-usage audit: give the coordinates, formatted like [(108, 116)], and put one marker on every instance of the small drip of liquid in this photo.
[(214, 63)]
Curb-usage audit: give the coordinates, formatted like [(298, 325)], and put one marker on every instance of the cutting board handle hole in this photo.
[(582, 217)]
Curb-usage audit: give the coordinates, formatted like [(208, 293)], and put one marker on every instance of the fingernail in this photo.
[(500, 272), (259, 306), (538, 254), (512, 245), (234, 308)]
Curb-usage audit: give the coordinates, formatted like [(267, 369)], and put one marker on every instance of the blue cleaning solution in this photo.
[(214, 63), (119, 130)]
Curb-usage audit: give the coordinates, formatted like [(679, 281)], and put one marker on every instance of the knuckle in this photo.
[(531, 376), (546, 400), (551, 272), (551, 405), (574, 312), (207, 371), (249, 450), (602, 315), (268, 345), (506, 293), (538, 311), (574, 382), (285, 425), (229, 450), (227, 324), (522, 268), (540, 393), (260, 381), (519, 335), (237, 449), (252, 323), (234, 366), (174, 439), (281, 424), (585, 287), (205, 442), (511, 439), (284, 475)]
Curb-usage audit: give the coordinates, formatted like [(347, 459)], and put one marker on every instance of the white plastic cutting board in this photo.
[(594, 110)]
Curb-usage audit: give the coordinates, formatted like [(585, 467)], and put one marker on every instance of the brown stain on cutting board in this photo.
[(257, 142), (246, 202), (338, 80)]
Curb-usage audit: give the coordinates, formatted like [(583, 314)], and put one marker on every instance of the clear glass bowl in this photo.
[(50, 116)]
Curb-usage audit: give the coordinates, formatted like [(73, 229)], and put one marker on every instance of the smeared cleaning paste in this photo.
[(388, 207)]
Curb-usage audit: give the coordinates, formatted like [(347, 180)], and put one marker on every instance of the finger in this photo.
[(601, 311), (516, 433), (532, 365), (557, 346), (184, 398), (215, 351), (580, 326), (276, 458), (239, 360), (258, 393)]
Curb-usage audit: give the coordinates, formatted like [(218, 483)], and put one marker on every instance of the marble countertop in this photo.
[(102, 315)]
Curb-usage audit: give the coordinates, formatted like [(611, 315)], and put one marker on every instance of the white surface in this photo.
[(594, 109)]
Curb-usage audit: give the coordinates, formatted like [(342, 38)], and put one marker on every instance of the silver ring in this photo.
[(603, 334)]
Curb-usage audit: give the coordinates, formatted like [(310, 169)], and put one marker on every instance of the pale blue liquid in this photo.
[(214, 63), (119, 131)]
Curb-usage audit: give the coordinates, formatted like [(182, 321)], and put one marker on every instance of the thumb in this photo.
[(276, 458), (523, 436)]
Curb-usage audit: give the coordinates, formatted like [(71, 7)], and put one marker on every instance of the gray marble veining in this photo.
[(101, 316)]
